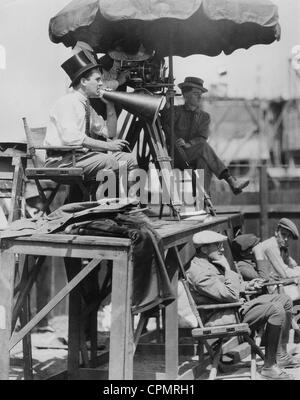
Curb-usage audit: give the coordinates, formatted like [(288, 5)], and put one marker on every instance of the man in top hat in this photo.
[(191, 128), (112, 77), (73, 122), (212, 281), (276, 249)]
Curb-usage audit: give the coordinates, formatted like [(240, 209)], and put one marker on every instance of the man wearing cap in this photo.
[(276, 249), (73, 122), (249, 259), (211, 280), (191, 129)]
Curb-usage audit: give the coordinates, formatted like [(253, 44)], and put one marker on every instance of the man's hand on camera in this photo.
[(123, 77), (117, 144), (182, 143)]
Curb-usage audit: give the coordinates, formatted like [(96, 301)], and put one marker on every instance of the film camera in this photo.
[(149, 74)]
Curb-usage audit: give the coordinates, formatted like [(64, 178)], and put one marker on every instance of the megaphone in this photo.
[(143, 105)]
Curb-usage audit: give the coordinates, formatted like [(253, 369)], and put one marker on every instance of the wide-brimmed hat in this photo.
[(290, 226), (119, 54), (78, 64), (193, 82), (207, 237)]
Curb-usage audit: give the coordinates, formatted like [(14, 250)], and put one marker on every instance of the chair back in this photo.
[(38, 135), (35, 139)]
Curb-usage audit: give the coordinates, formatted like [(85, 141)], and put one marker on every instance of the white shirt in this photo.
[(66, 126)]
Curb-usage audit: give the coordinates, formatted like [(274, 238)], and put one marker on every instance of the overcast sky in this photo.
[(262, 70)]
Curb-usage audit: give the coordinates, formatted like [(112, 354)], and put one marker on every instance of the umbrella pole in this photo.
[(171, 100)]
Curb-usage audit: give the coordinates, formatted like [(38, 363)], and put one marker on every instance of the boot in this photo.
[(237, 185), (270, 369)]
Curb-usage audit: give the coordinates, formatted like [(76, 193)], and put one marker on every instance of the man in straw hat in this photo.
[(191, 127), (211, 280), (73, 122)]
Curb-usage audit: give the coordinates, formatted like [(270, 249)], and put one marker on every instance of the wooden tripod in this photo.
[(150, 143)]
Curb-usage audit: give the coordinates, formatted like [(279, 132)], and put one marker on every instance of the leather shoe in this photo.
[(288, 361), (275, 373), (237, 185)]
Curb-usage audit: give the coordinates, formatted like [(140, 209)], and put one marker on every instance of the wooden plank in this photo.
[(171, 334), (73, 267), (121, 333), (7, 267), (27, 349), (184, 236), (6, 175), (264, 199), (5, 184), (26, 284), (76, 239), (17, 191), (60, 250), (52, 303)]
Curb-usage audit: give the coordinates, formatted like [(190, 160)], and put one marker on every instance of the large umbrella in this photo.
[(186, 27), (170, 27)]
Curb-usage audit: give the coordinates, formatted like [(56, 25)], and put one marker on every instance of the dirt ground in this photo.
[(49, 352)]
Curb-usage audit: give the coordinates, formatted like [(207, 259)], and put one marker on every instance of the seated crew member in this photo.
[(73, 122), (191, 129), (211, 280), (249, 259), (276, 249)]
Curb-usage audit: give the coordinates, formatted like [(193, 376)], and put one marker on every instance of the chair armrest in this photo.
[(62, 148), (283, 282), (207, 307)]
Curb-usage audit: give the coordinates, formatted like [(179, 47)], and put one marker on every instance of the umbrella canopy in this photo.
[(174, 27)]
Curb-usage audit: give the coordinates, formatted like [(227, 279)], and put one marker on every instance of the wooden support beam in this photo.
[(26, 284), (263, 195), (7, 266), (52, 303), (17, 190)]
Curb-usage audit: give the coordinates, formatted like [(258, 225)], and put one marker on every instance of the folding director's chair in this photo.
[(222, 333), (71, 176)]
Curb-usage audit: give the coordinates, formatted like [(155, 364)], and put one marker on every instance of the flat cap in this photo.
[(290, 226), (207, 237), (244, 243)]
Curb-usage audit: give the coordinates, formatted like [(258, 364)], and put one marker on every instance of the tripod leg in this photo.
[(163, 161)]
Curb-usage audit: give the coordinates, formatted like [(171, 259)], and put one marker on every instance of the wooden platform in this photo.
[(119, 251)]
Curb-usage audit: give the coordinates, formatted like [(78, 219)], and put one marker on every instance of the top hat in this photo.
[(290, 226), (78, 64), (119, 54), (193, 82)]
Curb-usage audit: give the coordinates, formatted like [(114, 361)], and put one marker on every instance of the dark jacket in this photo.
[(249, 269), (188, 125)]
